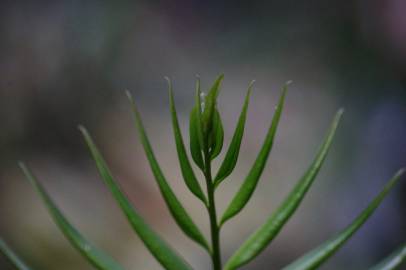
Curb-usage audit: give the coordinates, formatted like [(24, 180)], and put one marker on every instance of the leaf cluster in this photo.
[(206, 137)]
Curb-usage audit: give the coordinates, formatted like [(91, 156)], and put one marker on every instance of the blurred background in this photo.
[(66, 63)]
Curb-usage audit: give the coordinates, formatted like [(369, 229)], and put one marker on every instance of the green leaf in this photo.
[(195, 130), (198, 104), (210, 106), (259, 240), (95, 256), (231, 157), (186, 168), (247, 188), (217, 136), (177, 210), (314, 258), (165, 255), (393, 261), (12, 257)]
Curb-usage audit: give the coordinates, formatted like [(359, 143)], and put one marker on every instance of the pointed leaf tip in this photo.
[(168, 81), (196, 141), (210, 106), (177, 210), (129, 95), (401, 172), (250, 183), (81, 128), (186, 169), (264, 235), (230, 160)]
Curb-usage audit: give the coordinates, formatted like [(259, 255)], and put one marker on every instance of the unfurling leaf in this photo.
[(210, 103), (230, 160), (196, 130), (247, 188), (313, 259), (260, 239), (186, 168), (95, 256), (12, 257), (393, 261), (178, 212), (164, 253)]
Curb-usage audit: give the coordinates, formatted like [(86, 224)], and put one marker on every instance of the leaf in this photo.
[(199, 128), (393, 261), (177, 210), (95, 256), (186, 168), (247, 188), (165, 255), (259, 240), (210, 106), (195, 130), (231, 157), (314, 258), (217, 136), (12, 257)]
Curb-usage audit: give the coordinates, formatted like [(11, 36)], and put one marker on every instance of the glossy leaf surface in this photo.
[(186, 168), (210, 103), (178, 212), (231, 157), (217, 136), (164, 254), (247, 188), (196, 130), (260, 239), (95, 256)]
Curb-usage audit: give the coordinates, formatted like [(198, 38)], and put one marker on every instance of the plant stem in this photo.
[(211, 207)]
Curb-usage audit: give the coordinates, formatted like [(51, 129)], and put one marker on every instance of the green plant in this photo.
[(206, 141)]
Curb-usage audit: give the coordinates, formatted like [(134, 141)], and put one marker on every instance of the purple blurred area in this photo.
[(66, 63)]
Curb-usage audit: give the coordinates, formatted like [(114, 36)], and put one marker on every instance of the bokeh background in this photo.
[(64, 63)]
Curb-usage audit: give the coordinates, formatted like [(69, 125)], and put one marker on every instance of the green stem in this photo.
[(211, 207)]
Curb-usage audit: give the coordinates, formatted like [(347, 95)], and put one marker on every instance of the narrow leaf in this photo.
[(178, 212), (317, 256), (12, 257), (210, 105), (230, 160), (186, 168), (95, 256), (195, 130), (164, 254), (259, 240), (198, 104), (247, 188), (217, 136), (393, 261)]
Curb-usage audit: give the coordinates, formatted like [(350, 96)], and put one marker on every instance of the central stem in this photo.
[(214, 228)]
